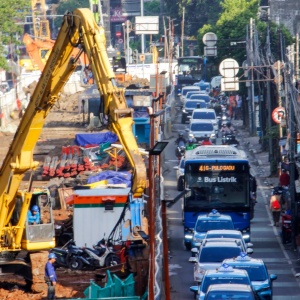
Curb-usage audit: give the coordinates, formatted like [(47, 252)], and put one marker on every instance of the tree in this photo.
[(12, 14), (69, 5), (231, 30)]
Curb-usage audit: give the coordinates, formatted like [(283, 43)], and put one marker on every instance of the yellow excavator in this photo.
[(78, 30)]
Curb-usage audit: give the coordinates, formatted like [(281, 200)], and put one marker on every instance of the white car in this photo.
[(202, 128), (187, 89), (233, 234), (211, 254), (207, 114)]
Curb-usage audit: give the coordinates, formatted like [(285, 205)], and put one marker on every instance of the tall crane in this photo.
[(41, 28)]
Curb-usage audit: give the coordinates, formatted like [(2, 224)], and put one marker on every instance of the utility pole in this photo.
[(182, 32), (249, 83), (253, 123)]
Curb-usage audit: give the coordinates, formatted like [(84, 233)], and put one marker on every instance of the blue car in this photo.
[(212, 221), (261, 281), (225, 274)]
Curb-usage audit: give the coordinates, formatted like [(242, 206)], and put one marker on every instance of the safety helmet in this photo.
[(52, 255), (206, 137), (228, 124), (35, 208), (180, 134), (191, 135)]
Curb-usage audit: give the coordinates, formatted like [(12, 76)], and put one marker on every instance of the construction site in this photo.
[(81, 159)]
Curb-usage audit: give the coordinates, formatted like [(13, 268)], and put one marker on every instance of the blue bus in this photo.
[(216, 177), (193, 69)]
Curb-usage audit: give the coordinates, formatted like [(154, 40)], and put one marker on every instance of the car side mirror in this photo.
[(249, 245), (249, 250), (273, 277), (187, 130), (194, 250)]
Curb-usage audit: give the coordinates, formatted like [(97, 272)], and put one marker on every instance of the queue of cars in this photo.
[(196, 111), (221, 257)]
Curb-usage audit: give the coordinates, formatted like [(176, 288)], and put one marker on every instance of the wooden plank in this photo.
[(63, 194)]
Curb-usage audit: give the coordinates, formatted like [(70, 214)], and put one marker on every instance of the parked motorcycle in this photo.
[(77, 258), (102, 255), (68, 256)]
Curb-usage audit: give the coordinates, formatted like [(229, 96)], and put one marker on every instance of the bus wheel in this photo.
[(188, 246)]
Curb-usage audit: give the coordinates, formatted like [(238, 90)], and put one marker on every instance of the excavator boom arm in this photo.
[(78, 30)]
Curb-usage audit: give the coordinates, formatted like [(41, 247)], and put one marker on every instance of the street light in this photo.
[(158, 148)]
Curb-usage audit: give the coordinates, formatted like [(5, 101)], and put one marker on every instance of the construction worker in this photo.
[(50, 276), (33, 215)]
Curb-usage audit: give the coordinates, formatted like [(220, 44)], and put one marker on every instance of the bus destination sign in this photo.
[(207, 168)]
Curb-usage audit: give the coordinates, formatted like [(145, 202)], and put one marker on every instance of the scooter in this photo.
[(101, 255)]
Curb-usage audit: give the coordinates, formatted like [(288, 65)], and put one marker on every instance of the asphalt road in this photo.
[(280, 259)]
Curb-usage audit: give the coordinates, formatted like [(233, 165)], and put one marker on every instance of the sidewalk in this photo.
[(259, 159)]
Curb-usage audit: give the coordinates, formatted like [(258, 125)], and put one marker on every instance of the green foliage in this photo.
[(69, 6), (11, 13), (152, 8)]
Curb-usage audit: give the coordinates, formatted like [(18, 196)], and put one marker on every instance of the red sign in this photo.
[(278, 114), (118, 34)]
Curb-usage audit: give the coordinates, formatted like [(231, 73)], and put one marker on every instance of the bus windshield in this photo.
[(216, 188)]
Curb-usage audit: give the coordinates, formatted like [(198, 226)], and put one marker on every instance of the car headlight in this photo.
[(188, 236)]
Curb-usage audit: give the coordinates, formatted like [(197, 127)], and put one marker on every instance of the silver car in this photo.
[(201, 129)]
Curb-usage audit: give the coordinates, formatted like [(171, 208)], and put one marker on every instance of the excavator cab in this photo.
[(37, 235)]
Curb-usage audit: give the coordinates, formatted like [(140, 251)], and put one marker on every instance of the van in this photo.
[(186, 89), (206, 114)]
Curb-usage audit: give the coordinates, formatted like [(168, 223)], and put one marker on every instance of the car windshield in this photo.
[(205, 225), (223, 278), (201, 127), (193, 104), (189, 94), (185, 91), (204, 115), (218, 254), (226, 295), (256, 273), (200, 97)]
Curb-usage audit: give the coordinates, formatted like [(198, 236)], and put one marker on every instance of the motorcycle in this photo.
[(102, 255), (68, 256), (180, 149), (229, 139), (77, 258)]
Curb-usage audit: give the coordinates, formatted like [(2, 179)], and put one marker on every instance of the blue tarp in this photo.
[(83, 139), (113, 177)]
